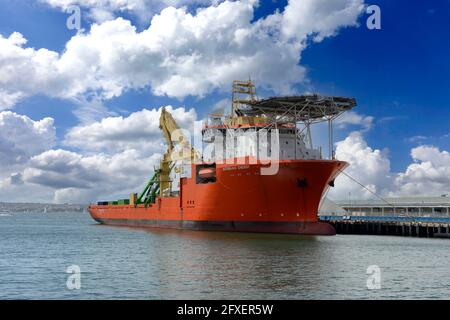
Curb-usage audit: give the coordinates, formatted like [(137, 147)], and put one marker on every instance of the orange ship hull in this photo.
[(240, 200)]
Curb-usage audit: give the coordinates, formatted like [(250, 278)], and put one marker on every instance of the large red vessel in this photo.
[(231, 190)]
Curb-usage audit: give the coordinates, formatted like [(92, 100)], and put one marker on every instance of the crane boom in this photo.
[(171, 130)]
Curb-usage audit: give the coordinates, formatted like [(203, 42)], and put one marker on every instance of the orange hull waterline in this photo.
[(189, 191), (241, 200)]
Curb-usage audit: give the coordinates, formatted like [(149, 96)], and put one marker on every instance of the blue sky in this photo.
[(399, 74)]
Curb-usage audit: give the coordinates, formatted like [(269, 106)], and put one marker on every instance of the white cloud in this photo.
[(140, 130), (26, 71), (349, 120), (102, 10), (353, 118), (24, 192), (77, 178), (319, 18), (9, 99), (116, 156), (430, 173), (368, 166), (180, 53), (99, 10), (22, 137)]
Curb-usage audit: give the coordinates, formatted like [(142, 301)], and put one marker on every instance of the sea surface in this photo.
[(36, 250)]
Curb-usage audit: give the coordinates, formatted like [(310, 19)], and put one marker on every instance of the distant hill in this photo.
[(6, 207)]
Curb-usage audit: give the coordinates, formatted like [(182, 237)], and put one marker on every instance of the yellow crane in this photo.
[(173, 134)]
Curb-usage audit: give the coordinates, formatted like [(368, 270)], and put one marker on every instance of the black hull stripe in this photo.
[(305, 228)]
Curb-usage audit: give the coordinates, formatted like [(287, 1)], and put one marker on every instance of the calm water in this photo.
[(123, 263)]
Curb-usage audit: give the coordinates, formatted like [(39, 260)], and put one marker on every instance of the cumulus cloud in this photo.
[(22, 137), (319, 18), (429, 173), (18, 191), (102, 10), (116, 156), (140, 130), (178, 55), (26, 71), (371, 167), (78, 178)]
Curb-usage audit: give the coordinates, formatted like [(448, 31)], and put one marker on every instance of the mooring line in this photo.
[(359, 183)]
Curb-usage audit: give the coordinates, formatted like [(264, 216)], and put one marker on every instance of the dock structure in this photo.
[(392, 226), (413, 216), (404, 206)]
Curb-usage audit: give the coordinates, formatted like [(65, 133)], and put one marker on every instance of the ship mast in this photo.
[(243, 92)]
